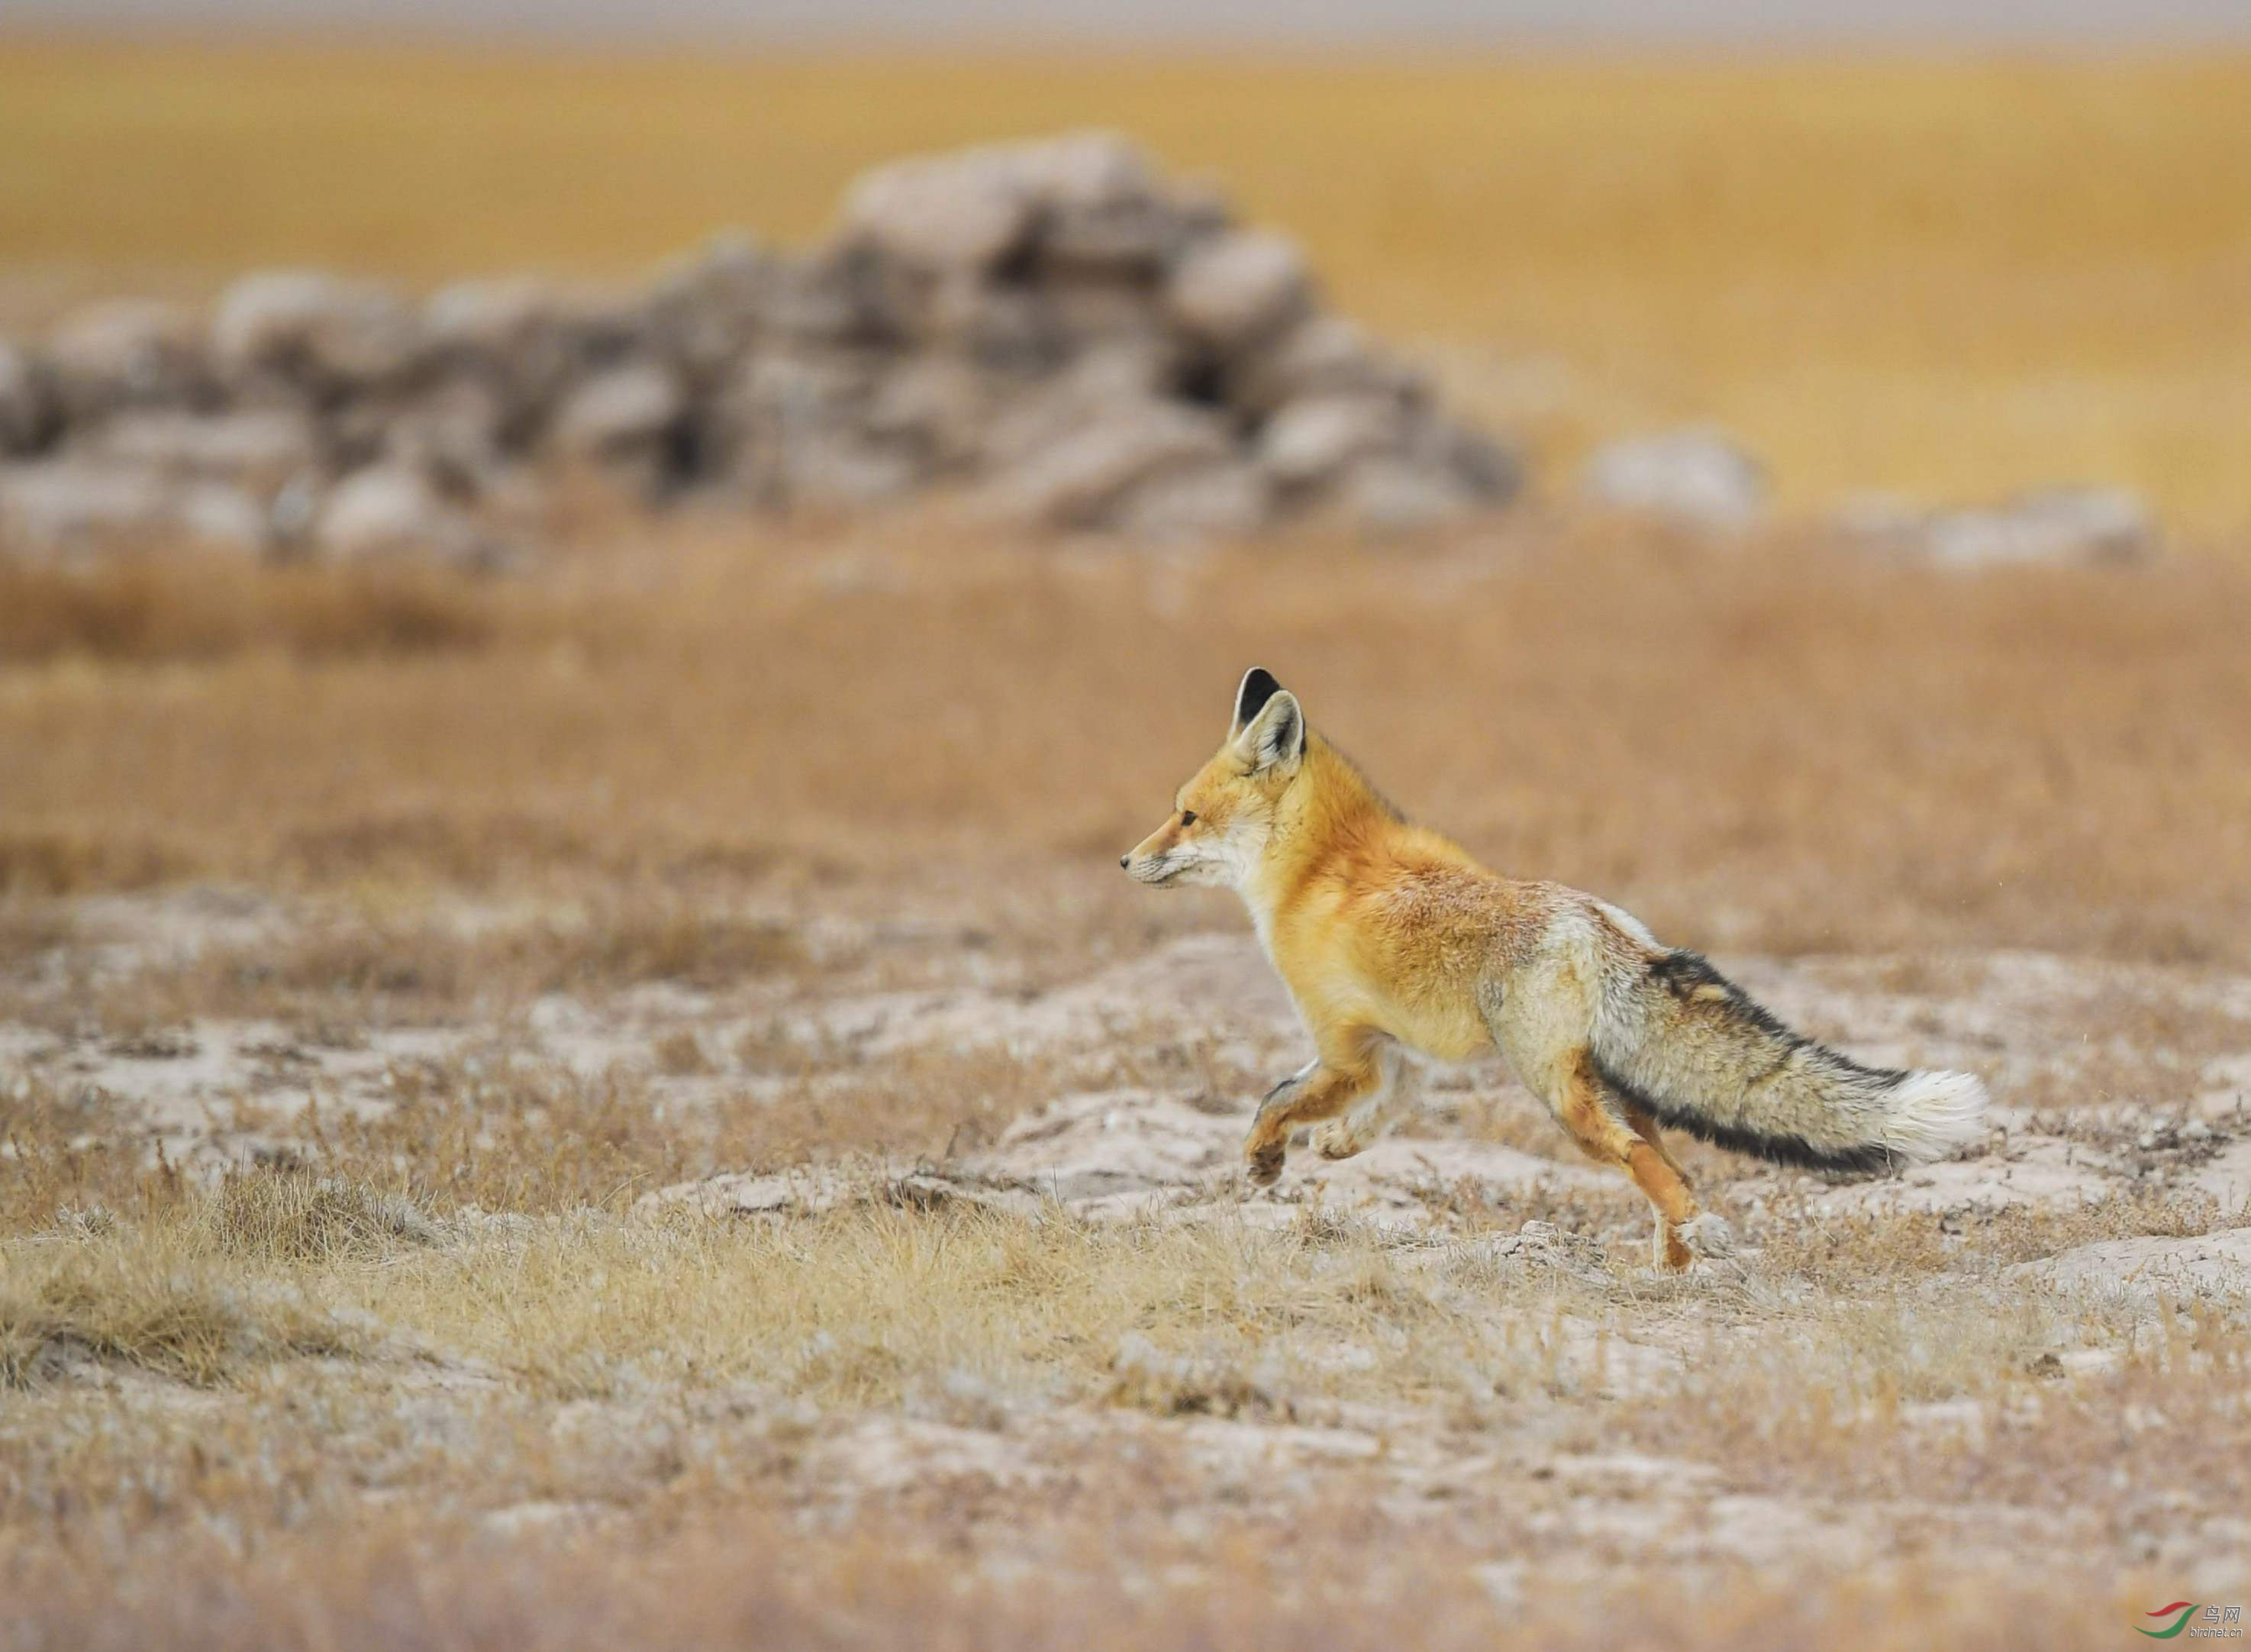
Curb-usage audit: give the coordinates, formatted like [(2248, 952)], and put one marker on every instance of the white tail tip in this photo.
[(1934, 1113)]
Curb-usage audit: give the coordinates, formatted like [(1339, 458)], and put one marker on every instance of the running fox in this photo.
[(1388, 935)]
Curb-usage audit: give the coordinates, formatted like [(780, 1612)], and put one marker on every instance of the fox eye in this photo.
[(1187, 817)]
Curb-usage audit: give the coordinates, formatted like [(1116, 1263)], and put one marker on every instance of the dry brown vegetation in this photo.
[(1779, 749), (361, 985)]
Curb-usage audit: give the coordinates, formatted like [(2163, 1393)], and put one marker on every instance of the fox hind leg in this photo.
[(1581, 1103), (1667, 1249)]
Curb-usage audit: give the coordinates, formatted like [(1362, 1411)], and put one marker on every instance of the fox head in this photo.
[(1223, 816)]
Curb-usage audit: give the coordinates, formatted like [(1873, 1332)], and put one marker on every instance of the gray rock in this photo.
[(1312, 440), (803, 388), (260, 446), (1081, 172), (1488, 469), (89, 503), (459, 433), (490, 320), (1696, 478), (1222, 500), (73, 501), (1085, 342), (128, 352), (966, 211), (1100, 313), (705, 311), (845, 472), (782, 405), (507, 346), (803, 430), (1323, 356), (1118, 373), (621, 414), (1133, 238), (1236, 289), (1385, 495), (1077, 480), (933, 405), (221, 515), (312, 332), (2054, 525), (1004, 328), (29, 412), (971, 211), (1103, 211), (388, 512)]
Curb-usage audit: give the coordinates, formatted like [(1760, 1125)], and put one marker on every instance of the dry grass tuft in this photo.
[(167, 606), (153, 1300), (293, 1216), (1845, 1250), (351, 971)]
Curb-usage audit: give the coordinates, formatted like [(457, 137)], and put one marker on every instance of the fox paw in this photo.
[(1264, 1164), (1709, 1236), (1337, 1141)]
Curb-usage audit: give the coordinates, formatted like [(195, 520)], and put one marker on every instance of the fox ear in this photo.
[(1258, 687), (1276, 737)]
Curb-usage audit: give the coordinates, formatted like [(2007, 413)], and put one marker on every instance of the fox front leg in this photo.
[(1319, 1090)]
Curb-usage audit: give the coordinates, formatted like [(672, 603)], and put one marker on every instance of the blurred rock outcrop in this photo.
[(1050, 332)]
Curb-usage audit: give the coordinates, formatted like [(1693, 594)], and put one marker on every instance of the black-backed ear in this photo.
[(1276, 737), (1258, 687)]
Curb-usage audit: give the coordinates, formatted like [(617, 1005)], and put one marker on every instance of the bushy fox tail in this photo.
[(1681, 1040)]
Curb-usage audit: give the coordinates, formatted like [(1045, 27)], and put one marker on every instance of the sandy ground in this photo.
[(1544, 1479)]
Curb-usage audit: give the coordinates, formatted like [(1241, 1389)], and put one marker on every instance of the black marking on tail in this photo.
[(1775, 1146), (1690, 980)]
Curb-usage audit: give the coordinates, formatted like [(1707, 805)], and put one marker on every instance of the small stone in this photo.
[(2062, 524), (2051, 525), (1697, 478)]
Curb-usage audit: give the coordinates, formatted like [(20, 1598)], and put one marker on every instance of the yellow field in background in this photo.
[(1947, 277)]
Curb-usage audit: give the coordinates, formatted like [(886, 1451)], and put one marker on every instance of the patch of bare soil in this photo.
[(968, 1253)]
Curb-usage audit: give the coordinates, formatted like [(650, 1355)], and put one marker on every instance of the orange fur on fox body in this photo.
[(1388, 935)]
